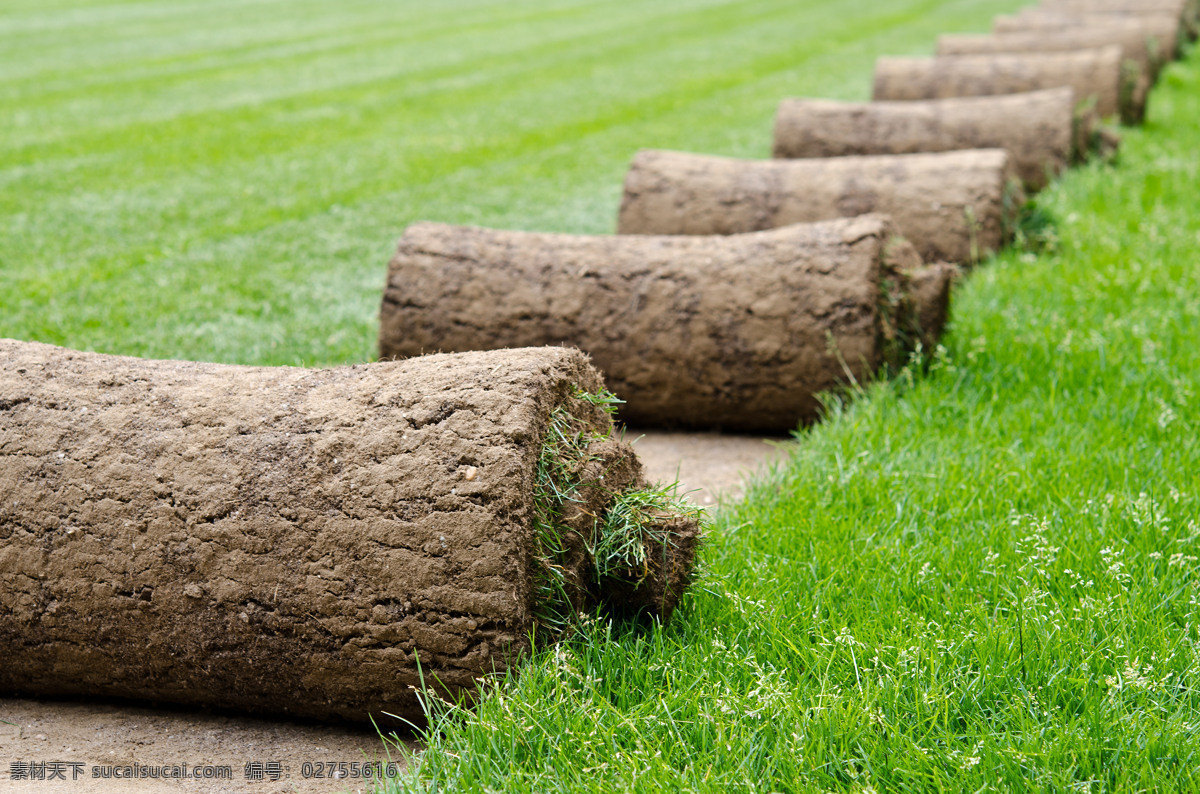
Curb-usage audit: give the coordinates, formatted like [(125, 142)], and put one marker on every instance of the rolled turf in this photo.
[(739, 332), (1187, 11), (1150, 49), (298, 541), (1037, 129), (1162, 36), (1101, 74), (953, 206)]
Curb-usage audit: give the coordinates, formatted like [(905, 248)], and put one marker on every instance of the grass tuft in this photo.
[(564, 454), (615, 545), (633, 526), (1036, 230)]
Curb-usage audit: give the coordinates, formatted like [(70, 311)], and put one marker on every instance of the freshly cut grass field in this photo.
[(981, 578)]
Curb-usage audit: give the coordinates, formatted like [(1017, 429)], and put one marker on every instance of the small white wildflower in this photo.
[(1144, 511), (844, 637), (1166, 416)]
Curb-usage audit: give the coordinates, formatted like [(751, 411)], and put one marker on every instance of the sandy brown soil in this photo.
[(712, 467)]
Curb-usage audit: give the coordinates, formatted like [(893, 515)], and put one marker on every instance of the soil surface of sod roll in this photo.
[(1148, 51), (1100, 74), (953, 206), (296, 541), (1187, 11), (736, 332), (1037, 129), (1160, 35)]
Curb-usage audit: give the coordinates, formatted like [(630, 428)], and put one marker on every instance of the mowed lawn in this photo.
[(983, 577)]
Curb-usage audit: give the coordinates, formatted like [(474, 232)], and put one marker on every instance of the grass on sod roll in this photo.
[(986, 578), (982, 577)]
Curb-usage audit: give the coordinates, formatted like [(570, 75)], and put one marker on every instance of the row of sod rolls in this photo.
[(701, 316), (736, 291)]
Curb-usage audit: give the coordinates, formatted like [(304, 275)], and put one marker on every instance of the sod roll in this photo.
[(1187, 11), (1037, 129), (1160, 35), (1101, 75), (1181, 8), (953, 206), (296, 541), (737, 332), (1149, 52)]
